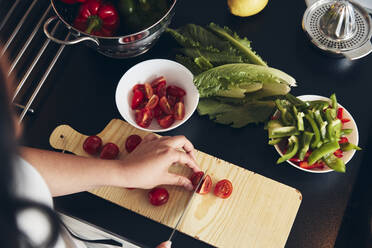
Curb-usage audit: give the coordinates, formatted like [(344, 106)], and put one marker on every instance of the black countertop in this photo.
[(336, 208)]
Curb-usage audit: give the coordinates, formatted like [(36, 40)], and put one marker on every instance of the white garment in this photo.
[(30, 185)]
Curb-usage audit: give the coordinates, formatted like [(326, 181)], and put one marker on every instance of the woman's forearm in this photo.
[(67, 174)]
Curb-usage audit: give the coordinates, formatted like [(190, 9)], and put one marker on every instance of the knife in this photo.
[(187, 206)]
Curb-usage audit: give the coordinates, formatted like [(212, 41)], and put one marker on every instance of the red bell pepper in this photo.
[(340, 115), (97, 18), (73, 1)]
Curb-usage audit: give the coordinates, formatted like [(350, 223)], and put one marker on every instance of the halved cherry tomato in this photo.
[(338, 153), (158, 196), (223, 189), (165, 106), (137, 99), (179, 111), (92, 144), (143, 117), (139, 87), (153, 102), (343, 140), (156, 82), (161, 90), (175, 91), (132, 142), (172, 100), (109, 151), (205, 186), (166, 121), (157, 111), (148, 90)]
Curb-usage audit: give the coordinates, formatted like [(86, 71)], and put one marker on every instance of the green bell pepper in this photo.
[(325, 149), (316, 142), (334, 163), (305, 144), (292, 149), (349, 146)]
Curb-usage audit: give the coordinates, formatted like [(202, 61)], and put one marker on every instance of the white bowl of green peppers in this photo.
[(301, 133)]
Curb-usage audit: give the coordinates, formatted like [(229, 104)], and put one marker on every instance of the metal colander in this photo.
[(352, 41)]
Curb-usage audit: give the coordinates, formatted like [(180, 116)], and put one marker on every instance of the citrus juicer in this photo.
[(338, 27)]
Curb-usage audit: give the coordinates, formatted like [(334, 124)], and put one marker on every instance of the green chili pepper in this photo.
[(316, 142), (346, 131), (274, 141), (325, 149), (280, 132), (305, 144), (334, 163), (334, 101), (292, 149), (349, 146), (300, 121)]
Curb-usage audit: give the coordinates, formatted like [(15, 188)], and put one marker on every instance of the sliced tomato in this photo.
[(165, 106), (132, 142), (161, 90), (158, 196), (338, 153), (92, 144), (156, 82), (153, 102), (223, 189), (157, 112), (139, 87), (137, 99), (148, 90), (143, 117), (179, 111), (166, 121), (343, 140), (175, 91), (109, 151)]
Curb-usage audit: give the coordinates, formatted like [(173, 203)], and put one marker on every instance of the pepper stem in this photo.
[(94, 23)]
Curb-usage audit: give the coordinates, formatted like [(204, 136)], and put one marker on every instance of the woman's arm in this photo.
[(146, 167)]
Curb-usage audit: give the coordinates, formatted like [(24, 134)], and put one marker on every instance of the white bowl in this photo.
[(146, 71), (353, 137)]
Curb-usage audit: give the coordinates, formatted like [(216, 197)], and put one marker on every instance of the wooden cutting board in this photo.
[(259, 213)]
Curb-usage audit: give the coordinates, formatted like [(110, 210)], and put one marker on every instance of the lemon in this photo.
[(246, 7)]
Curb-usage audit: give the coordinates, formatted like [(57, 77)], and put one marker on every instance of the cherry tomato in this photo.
[(161, 90), (172, 100), (179, 111), (137, 99), (139, 87), (158, 196), (175, 91), (132, 142), (158, 81), (223, 189), (196, 177), (157, 112), (166, 121), (143, 117), (164, 105), (92, 144), (109, 151), (205, 186), (148, 91), (153, 102)]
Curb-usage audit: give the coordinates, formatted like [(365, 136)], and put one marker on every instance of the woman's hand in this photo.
[(166, 244), (147, 166)]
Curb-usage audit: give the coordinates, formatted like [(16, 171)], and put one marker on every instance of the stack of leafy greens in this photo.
[(236, 86)]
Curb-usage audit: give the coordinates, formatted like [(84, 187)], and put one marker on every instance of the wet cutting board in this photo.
[(259, 213)]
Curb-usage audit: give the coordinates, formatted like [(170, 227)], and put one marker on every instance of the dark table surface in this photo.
[(336, 208)]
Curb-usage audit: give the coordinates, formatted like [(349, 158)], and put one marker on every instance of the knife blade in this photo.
[(187, 206)]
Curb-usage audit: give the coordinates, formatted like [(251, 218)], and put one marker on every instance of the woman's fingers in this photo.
[(184, 158), (178, 180), (166, 244)]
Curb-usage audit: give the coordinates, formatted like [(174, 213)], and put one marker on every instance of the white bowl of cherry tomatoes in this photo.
[(157, 95)]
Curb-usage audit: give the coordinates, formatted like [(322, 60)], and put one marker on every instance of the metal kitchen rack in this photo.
[(28, 49)]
